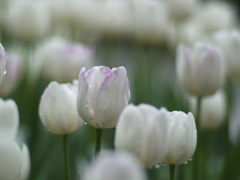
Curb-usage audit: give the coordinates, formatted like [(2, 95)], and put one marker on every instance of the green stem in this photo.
[(98, 141), (198, 113), (171, 172), (196, 167), (66, 157)]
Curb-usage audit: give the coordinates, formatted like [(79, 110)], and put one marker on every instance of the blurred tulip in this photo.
[(182, 138), (62, 60), (58, 111), (229, 43), (2, 62), (143, 131), (123, 167), (9, 120), (25, 169), (181, 9), (213, 110), (28, 20), (103, 94), (13, 75), (208, 11), (200, 70)]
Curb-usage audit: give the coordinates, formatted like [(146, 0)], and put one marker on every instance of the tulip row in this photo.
[(154, 136)]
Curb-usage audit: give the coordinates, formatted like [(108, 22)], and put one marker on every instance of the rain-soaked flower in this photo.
[(143, 131), (182, 138), (102, 95)]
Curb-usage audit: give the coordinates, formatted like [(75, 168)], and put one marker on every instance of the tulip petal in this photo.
[(84, 107), (112, 97)]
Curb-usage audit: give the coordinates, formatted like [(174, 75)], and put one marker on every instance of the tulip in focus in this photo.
[(182, 138), (143, 131), (229, 43), (200, 70), (115, 166), (2, 62), (103, 94), (58, 110)]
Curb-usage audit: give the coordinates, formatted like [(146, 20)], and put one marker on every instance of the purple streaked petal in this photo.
[(112, 97)]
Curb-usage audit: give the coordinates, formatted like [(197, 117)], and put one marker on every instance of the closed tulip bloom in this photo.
[(58, 111), (229, 43), (200, 70), (63, 60), (143, 131), (182, 138), (103, 94), (13, 75), (123, 167), (14, 161), (2, 62), (9, 119), (213, 110)]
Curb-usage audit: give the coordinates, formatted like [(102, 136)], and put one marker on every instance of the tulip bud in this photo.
[(62, 60), (123, 167), (200, 70), (14, 161), (58, 111), (182, 138), (213, 110), (9, 120), (2, 62), (181, 9), (28, 20), (229, 43), (102, 95), (12, 77), (10, 160), (143, 131)]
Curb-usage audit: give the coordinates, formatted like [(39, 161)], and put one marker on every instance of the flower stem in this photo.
[(171, 172), (66, 157), (98, 141), (197, 159)]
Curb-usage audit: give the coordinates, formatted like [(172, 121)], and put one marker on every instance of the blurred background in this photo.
[(52, 40)]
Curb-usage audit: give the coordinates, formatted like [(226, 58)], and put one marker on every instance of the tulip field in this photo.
[(119, 90)]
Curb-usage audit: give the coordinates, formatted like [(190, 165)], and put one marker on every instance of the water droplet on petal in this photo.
[(5, 72), (157, 166)]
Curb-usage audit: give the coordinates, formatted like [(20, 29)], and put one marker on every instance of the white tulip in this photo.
[(58, 110), (13, 75), (123, 167), (9, 119), (28, 20), (102, 95), (229, 43), (63, 60), (2, 62), (143, 131), (182, 138), (213, 110), (200, 70), (10, 160)]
